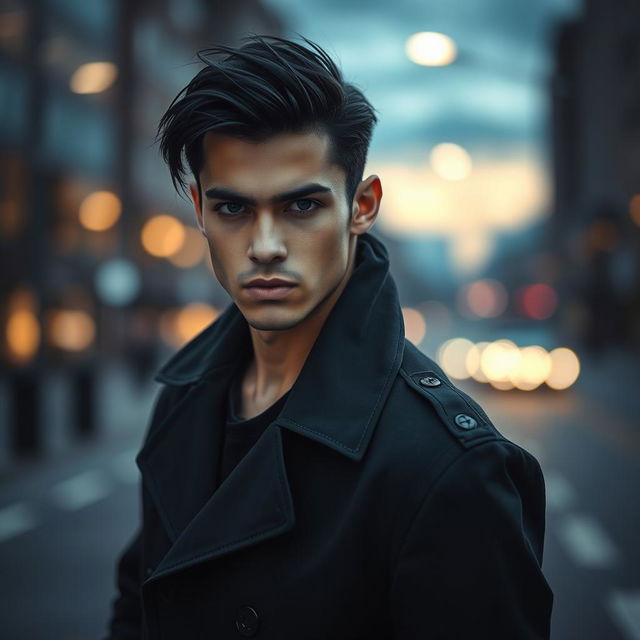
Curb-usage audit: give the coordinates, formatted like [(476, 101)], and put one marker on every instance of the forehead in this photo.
[(279, 162)]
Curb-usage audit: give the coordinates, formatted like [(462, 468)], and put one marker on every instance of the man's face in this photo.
[(303, 238)]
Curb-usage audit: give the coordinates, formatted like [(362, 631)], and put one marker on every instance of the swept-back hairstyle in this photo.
[(268, 85)]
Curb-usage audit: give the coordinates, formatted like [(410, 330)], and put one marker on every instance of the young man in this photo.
[(307, 472)]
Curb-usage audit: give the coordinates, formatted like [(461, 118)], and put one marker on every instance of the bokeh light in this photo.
[(415, 326), (117, 281), (192, 250), (501, 385), (23, 334), (71, 330), (22, 330), (163, 236), (450, 161), (100, 210), (474, 357), (565, 368), (194, 318), (432, 49), (452, 356), (93, 77), (533, 368), (538, 301), (499, 359), (485, 298), (178, 326), (505, 366)]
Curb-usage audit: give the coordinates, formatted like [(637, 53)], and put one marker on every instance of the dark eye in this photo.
[(308, 209), (231, 204), (231, 212)]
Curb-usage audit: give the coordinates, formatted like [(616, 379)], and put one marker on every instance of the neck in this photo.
[(278, 356)]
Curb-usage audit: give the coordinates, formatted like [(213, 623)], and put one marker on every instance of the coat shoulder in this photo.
[(458, 415)]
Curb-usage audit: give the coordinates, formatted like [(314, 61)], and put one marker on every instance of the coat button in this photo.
[(465, 421), (430, 381), (247, 621)]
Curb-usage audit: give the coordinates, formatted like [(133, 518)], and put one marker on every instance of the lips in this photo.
[(271, 282), (269, 289), (269, 293)]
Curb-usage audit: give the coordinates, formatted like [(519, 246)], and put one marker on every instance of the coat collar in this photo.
[(335, 401), (348, 373)]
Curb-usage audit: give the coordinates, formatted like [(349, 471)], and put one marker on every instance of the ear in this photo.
[(195, 196), (366, 203)]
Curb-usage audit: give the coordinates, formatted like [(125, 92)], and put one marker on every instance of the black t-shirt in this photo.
[(241, 434)]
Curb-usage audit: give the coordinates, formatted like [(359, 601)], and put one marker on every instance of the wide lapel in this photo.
[(179, 461), (253, 502)]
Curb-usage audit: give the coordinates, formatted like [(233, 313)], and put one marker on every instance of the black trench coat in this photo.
[(381, 504)]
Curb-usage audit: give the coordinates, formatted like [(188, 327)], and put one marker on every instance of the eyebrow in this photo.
[(220, 193)]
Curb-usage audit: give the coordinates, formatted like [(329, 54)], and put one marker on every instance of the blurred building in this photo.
[(596, 155), (98, 254)]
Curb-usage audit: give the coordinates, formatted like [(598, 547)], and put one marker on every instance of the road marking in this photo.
[(586, 541), (625, 610), (16, 519), (124, 467), (560, 494), (81, 490)]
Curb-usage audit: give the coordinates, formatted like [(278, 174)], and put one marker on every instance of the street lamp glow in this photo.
[(192, 250), (71, 329), (452, 355), (194, 318), (474, 360), (450, 161), (498, 360), (533, 369), (100, 210), (93, 77), (22, 334), (162, 236), (431, 49), (565, 368)]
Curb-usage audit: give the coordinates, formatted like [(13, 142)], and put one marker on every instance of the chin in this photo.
[(273, 324), (272, 318)]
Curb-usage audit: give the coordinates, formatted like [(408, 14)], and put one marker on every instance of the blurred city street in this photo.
[(507, 146), (62, 525)]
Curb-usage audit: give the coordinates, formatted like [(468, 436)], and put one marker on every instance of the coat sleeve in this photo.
[(470, 564), (126, 618)]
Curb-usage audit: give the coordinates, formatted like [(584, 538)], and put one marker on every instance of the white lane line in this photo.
[(560, 494), (124, 468), (586, 541), (16, 519), (625, 610), (81, 490)]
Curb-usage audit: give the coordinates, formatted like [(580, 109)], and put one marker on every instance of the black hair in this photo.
[(268, 85)]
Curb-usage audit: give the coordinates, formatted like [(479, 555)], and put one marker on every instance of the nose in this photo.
[(266, 243)]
